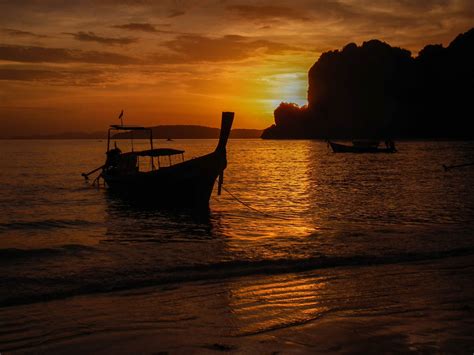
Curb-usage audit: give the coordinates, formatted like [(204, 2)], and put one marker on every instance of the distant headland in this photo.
[(159, 132), (378, 91)]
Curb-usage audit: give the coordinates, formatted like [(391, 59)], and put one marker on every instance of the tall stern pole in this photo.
[(226, 125)]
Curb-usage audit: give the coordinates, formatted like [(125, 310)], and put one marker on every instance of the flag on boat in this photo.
[(121, 114)]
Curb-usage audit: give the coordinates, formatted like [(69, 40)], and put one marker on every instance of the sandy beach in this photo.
[(421, 307)]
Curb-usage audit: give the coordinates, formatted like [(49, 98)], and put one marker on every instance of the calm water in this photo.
[(61, 237)]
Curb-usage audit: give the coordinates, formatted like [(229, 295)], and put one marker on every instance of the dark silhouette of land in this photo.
[(159, 132), (379, 91)]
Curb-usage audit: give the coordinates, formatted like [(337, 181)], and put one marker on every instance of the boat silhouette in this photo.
[(363, 147), (187, 183)]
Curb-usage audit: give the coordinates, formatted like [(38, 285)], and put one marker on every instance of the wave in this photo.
[(46, 224), (275, 266), (120, 280), (10, 254)]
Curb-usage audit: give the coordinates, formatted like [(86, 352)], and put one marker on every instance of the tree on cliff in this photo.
[(290, 120)]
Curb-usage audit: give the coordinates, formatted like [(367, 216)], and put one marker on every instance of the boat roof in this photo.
[(129, 128), (158, 152)]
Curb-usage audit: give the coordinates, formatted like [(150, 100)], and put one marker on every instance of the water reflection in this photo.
[(128, 220), (271, 303)]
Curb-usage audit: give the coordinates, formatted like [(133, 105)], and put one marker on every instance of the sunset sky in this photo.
[(72, 65)]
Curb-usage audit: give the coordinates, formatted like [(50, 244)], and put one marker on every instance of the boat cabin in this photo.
[(119, 162)]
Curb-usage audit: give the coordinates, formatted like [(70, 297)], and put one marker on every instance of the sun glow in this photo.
[(77, 72), (287, 87)]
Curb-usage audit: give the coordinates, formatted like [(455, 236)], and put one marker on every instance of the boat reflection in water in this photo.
[(130, 221)]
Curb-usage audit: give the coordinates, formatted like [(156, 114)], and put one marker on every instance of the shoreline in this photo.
[(412, 307)]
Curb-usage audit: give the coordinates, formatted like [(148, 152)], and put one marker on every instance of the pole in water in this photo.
[(219, 183), (86, 175)]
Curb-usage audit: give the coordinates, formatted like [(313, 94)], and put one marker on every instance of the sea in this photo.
[(305, 250)]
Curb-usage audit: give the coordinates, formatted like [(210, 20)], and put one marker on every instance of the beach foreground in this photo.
[(417, 307)]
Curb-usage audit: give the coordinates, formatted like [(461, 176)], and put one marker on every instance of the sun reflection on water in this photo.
[(276, 302)]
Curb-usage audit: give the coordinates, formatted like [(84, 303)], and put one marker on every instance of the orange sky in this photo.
[(73, 65)]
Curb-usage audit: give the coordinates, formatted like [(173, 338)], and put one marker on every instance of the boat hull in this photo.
[(342, 148), (189, 183)]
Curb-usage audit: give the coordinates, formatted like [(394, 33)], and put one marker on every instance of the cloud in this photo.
[(198, 48), (30, 54), (269, 12), (176, 13), (19, 33), (28, 74), (185, 49), (92, 37), (410, 5), (56, 77), (142, 27), (145, 27)]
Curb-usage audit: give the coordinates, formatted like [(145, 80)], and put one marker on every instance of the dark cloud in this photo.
[(400, 22), (19, 33), (142, 27), (197, 48), (415, 5), (52, 5), (145, 27), (28, 74), (269, 12), (55, 77), (176, 13), (92, 37), (30, 54), (378, 16), (186, 48)]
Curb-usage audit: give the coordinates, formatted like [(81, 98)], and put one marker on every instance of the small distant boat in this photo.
[(169, 139), (363, 146), (187, 183)]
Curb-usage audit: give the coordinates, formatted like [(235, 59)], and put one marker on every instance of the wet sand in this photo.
[(417, 307)]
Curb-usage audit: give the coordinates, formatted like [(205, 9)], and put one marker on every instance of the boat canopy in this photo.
[(129, 128), (159, 152)]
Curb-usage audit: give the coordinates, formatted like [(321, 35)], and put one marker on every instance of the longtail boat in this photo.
[(363, 147), (187, 183)]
